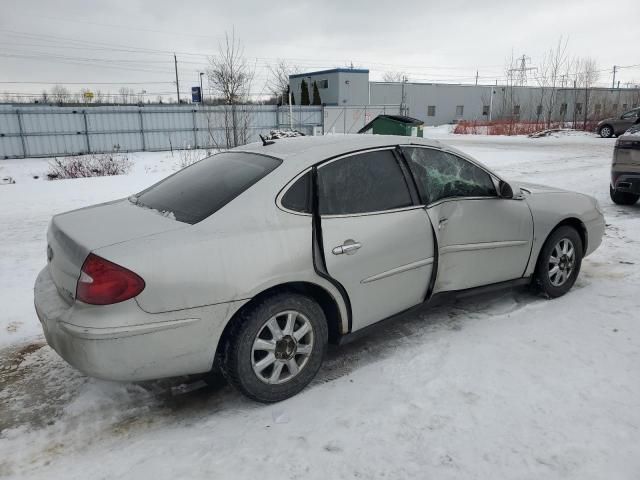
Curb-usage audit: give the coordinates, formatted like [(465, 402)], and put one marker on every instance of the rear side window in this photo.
[(196, 192), (298, 197), (443, 175), (367, 182)]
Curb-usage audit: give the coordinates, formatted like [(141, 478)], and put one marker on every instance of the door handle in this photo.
[(442, 223), (349, 247)]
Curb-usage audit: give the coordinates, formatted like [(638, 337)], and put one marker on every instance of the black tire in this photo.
[(622, 198), (606, 131), (238, 354), (542, 278)]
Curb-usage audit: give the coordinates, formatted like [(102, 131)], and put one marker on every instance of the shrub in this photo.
[(189, 157), (509, 127), (93, 165)]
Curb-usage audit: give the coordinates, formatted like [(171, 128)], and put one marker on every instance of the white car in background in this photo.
[(254, 259)]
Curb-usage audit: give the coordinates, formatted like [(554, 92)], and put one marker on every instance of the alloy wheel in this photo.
[(282, 347), (561, 262)]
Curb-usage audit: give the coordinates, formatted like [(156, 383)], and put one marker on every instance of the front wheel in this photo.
[(275, 347), (622, 198), (559, 262), (606, 131)]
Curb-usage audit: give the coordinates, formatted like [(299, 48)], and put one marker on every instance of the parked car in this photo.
[(618, 125), (624, 188), (256, 258)]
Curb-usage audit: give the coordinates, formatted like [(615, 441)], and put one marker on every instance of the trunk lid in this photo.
[(72, 235)]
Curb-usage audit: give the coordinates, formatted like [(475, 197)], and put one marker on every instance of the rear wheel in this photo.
[(606, 131), (622, 198), (275, 347), (559, 262)]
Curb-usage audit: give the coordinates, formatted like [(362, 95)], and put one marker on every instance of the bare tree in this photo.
[(394, 77), (230, 77), (554, 66), (44, 98), (587, 75), (510, 107), (635, 94), (127, 95), (98, 97), (60, 94), (278, 83)]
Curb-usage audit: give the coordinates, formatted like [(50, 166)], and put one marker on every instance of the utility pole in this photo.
[(175, 62), (613, 84), (403, 104), (491, 102), (201, 91), (563, 79), (575, 100), (476, 78), (291, 113)]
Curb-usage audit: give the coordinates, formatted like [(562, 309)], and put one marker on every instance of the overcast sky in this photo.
[(117, 42)]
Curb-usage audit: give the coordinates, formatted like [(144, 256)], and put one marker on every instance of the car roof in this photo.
[(307, 151)]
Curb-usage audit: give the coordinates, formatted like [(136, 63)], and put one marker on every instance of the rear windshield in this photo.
[(194, 193)]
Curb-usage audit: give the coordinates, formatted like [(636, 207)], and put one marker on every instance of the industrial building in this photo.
[(337, 87), (440, 103)]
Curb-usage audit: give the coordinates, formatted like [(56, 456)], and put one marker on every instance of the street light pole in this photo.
[(201, 90)]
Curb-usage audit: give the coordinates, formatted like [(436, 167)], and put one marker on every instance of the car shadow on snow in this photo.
[(39, 390)]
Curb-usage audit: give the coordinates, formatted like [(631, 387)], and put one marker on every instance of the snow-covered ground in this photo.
[(497, 387)]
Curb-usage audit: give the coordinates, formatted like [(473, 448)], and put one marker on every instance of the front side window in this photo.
[(201, 189), (362, 183), (441, 175), (631, 114)]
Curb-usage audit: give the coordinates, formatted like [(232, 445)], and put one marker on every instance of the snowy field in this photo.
[(504, 386)]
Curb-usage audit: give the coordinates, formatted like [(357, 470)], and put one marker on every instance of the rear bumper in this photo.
[(628, 182), (143, 347)]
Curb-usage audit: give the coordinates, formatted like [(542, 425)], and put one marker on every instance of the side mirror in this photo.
[(505, 189)]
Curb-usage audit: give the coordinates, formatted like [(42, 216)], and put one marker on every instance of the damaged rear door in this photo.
[(377, 241)]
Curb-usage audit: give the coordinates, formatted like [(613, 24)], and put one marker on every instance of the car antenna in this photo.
[(265, 142)]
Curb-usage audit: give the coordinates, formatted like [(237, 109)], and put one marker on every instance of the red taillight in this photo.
[(102, 282)]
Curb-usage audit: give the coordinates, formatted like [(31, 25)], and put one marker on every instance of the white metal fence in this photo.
[(350, 119), (45, 131)]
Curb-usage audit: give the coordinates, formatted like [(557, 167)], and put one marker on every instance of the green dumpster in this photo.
[(394, 125)]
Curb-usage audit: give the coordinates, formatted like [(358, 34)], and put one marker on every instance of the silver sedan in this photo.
[(253, 260)]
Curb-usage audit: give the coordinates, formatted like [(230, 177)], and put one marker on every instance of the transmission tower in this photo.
[(520, 72)]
